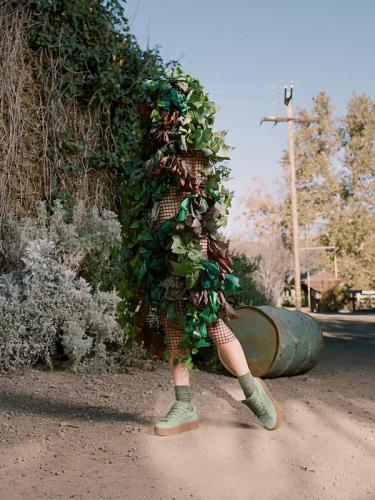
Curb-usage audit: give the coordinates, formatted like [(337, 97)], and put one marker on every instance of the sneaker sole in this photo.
[(279, 417), (188, 426)]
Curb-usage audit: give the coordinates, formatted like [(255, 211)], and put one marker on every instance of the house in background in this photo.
[(318, 288)]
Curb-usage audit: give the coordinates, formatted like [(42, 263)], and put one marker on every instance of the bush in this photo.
[(87, 240), (46, 310), (249, 293), (333, 299)]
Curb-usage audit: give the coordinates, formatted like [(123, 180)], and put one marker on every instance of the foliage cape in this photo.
[(166, 263)]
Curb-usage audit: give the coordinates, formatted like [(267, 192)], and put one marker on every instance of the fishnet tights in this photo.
[(169, 207)]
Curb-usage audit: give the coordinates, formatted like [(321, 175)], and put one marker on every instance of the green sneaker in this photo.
[(262, 404), (181, 417)]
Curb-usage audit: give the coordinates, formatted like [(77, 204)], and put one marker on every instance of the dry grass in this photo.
[(32, 122), (21, 174)]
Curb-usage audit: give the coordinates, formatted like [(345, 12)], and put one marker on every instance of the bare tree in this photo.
[(264, 222)]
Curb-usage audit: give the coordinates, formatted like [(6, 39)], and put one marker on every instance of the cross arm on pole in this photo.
[(277, 119)]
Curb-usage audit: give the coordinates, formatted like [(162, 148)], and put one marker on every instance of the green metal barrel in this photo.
[(275, 341)]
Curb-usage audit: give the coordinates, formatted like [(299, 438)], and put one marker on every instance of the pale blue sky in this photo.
[(244, 51)]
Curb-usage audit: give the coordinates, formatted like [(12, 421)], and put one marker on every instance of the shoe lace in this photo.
[(259, 408), (176, 410)]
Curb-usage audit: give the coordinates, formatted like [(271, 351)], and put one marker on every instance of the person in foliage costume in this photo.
[(185, 269)]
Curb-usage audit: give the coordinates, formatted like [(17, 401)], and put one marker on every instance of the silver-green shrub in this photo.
[(85, 238), (45, 305)]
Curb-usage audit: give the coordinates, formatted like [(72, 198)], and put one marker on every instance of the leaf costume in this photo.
[(172, 248)]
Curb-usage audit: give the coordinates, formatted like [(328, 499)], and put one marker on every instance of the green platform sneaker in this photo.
[(181, 417), (262, 404)]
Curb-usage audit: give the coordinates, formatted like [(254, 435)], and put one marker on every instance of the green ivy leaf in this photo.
[(177, 245), (192, 280), (145, 236), (183, 145), (182, 268)]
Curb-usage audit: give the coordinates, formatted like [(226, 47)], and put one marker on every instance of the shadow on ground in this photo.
[(44, 406)]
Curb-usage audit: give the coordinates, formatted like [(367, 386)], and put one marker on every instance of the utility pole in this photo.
[(288, 94)]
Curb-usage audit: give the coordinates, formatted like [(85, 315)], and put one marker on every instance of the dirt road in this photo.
[(90, 437)]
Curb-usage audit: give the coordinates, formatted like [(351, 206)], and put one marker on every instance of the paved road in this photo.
[(349, 340)]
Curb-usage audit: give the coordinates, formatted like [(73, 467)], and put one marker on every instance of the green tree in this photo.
[(335, 170), (316, 145), (351, 226), (249, 293)]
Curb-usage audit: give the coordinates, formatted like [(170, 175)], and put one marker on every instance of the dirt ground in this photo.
[(69, 436)]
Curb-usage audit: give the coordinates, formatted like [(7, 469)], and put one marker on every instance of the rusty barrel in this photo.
[(277, 342)]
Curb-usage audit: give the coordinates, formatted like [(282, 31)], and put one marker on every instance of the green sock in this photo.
[(247, 383), (183, 393)]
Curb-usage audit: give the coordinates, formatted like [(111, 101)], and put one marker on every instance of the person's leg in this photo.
[(258, 397), (183, 415), (232, 352), (180, 373)]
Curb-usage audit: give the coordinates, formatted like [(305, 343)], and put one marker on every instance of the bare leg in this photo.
[(232, 352), (258, 398), (229, 347), (179, 371)]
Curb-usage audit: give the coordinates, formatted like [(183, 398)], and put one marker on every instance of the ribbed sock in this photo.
[(247, 383), (183, 393)]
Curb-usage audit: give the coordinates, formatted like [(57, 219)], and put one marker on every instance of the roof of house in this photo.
[(321, 280)]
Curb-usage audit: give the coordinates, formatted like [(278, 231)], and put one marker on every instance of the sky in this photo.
[(245, 51)]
